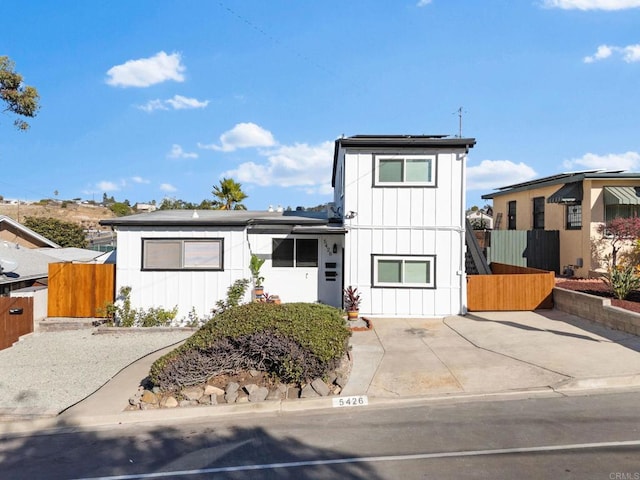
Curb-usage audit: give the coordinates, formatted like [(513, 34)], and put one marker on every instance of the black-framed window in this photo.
[(294, 252), (538, 212), (416, 271), (182, 254), (406, 170), (511, 215), (574, 217)]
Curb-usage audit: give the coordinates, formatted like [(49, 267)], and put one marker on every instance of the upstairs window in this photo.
[(294, 252), (574, 217), (538, 213), (182, 254), (407, 171), (511, 215)]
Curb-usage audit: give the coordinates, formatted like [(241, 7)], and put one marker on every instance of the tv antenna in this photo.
[(459, 112)]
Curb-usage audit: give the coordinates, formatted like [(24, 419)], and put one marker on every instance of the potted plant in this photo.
[(352, 301), (255, 265)]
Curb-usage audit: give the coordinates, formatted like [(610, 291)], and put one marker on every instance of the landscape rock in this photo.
[(211, 390), (231, 397), (149, 397), (308, 392), (250, 388), (231, 387), (259, 394), (192, 393), (169, 402), (320, 387)]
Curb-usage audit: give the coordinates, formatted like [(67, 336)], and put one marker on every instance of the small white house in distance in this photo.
[(395, 231)]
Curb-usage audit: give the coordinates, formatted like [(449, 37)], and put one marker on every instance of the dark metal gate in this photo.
[(526, 248)]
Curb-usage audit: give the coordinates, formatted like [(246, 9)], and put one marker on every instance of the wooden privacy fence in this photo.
[(16, 319), (510, 288), (80, 290)]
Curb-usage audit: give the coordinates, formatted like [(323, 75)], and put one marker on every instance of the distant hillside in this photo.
[(85, 215)]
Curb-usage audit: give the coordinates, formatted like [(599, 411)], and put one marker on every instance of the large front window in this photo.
[(294, 252), (182, 254), (408, 170), (404, 271)]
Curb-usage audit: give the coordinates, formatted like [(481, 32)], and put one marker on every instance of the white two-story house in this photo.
[(395, 231)]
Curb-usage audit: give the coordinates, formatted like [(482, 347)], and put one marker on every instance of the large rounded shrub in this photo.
[(293, 342)]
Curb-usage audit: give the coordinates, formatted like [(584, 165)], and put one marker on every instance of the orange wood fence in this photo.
[(510, 288), (80, 290), (16, 319)]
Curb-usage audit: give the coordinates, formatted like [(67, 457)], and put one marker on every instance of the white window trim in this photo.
[(432, 158), (183, 242), (428, 258)]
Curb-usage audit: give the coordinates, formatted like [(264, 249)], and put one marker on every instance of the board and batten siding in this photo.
[(404, 221), (187, 289)]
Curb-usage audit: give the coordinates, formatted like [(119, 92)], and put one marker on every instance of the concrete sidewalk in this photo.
[(490, 353)]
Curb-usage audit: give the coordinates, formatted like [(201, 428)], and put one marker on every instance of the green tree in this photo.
[(22, 100), (229, 195), (65, 234), (121, 209)]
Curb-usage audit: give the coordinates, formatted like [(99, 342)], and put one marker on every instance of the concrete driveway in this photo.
[(491, 352)]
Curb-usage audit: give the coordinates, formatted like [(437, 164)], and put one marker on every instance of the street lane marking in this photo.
[(388, 458)]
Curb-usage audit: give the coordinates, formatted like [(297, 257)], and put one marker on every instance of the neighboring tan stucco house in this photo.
[(395, 230), (575, 204)]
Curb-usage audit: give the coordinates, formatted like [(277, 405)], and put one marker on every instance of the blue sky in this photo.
[(151, 99)]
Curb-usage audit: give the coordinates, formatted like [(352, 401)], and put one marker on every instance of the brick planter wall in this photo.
[(597, 309)]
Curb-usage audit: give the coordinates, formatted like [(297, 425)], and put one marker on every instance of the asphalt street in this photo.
[(595, 436)]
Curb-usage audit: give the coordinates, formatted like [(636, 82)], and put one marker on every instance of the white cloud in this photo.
[(178, 152), (145, 72), (167, 187), (106, 186), (629, 54), (178, 102), (243, 135), (491, 174), (611, 161), (422, 3), (604, 51), (139, 180), (298, 165), (153, 105), (592, 4)]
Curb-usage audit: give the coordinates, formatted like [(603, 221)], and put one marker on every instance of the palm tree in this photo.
[(229, 195)]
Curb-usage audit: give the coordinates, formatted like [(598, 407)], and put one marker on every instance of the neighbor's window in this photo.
[(294, 252), (538, 212), (574, 217), (511, 215), (404, 271), (182, 254), (620, 211), (410, 170)]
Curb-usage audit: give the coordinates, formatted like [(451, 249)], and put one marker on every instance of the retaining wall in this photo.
[(597, 309)]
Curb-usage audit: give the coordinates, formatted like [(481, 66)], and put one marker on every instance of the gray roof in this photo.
[(399, 141), (218, 218), (33, 263), (563, 178)]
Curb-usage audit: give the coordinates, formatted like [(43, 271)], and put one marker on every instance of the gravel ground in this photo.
[(47, 372)]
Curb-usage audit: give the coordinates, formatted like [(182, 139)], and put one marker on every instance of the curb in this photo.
[(598, 383), (68, 423)]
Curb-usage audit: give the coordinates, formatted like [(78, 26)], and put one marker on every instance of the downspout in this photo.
[(461, 272)]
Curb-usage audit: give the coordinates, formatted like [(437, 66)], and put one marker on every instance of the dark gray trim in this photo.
[(182, 239)]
